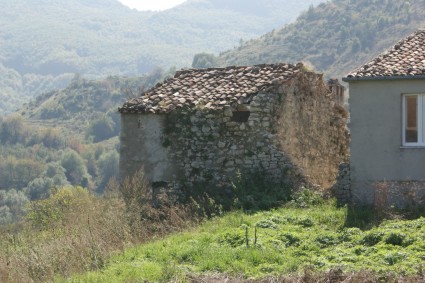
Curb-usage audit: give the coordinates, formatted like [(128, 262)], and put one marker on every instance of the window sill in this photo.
[(412, 147)]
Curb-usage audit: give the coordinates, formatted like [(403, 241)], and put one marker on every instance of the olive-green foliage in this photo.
[(45, 43), (35, 153), (335, 37), (108, 164), (12, 206), (277, 244), (12, 129), (75, 169), (51, 211), (101, 128), (18, 172), (204, 60)]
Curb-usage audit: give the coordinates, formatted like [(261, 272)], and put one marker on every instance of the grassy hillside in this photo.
[(274, 244), (334, 37), (125, 236), (44, 43)]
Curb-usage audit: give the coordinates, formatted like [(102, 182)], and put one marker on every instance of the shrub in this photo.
[(306, 198), (398, 239), (44, 214), (372, 238), (233, 239), (393, 258), (266, 224), (326, 240), (305, 222), (290, 239)]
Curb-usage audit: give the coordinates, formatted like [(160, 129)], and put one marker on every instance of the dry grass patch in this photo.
[(73, 231)]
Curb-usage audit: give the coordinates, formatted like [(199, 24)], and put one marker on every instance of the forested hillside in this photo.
[(44, 43), (334, 37), (64, 137)]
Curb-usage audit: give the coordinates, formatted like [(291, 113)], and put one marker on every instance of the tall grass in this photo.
[(73, 231), (297, 243)]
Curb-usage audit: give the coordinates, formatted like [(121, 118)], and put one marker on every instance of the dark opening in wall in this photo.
[(241, 116)]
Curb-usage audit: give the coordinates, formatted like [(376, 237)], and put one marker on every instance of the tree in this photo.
[(101, 128), (204, 60), (12, 129), (108, 167), (75, 168), (12, 206)]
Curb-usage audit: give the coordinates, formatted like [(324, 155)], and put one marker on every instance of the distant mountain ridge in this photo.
[(334, 37), (44, 43)]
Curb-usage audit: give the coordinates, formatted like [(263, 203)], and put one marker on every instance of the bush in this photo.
[(398, 239), (372, 238), (306, 198)]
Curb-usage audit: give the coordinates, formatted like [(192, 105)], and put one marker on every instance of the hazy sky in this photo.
[(153, 5)]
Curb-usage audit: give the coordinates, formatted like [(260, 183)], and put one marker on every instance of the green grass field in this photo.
[(272, 243)]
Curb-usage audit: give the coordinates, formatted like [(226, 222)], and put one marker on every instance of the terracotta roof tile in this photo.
[(214, 88), (406, 58)]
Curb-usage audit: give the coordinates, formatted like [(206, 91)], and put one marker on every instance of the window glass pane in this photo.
[(411, 119)]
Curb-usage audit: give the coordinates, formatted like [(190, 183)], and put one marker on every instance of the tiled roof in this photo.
[(406, 58), (213, 88)]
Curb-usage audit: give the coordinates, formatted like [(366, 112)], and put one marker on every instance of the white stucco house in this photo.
[(387, 106)]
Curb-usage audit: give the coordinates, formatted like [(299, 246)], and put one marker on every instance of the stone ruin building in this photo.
[(207, 125)]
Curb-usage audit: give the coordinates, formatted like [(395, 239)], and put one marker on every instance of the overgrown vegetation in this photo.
[(303, 240), (73, 231), (122, 237)]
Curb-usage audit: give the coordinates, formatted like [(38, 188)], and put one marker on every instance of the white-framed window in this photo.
[(414, 119)]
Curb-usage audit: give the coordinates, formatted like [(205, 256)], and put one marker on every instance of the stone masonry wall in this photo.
[(212, 147), (293, 132), (297, 129), (312, 129)]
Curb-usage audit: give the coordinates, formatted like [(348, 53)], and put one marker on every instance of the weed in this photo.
[(372, 238), (266, 224), (290, 240), (325, 240), (306, 198), (305, 222), (393, 258), (233, 239)]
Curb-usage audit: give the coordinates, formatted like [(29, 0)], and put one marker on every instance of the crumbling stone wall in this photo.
[(214, 145), (293, 131), (312, 129)]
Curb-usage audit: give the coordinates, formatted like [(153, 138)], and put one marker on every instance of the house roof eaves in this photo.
[(383, 78)]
